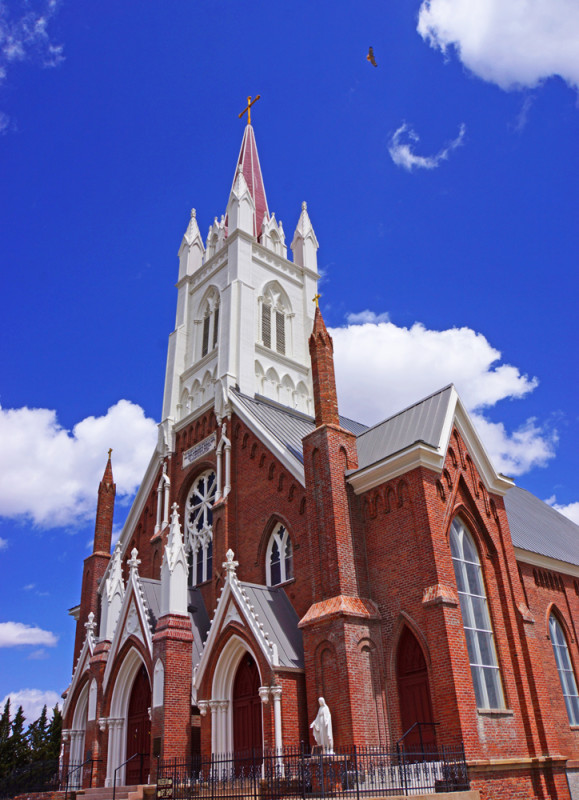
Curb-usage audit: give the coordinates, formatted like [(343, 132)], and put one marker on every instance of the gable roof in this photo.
[(539, 528), (422, 422)]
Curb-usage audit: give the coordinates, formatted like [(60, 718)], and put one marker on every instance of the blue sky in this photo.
[(442, 186)]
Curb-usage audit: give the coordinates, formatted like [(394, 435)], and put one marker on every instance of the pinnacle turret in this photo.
[(324, 380), (305, 244), (105, 508)]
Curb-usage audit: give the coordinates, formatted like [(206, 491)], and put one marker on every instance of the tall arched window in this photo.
[(475, 618), (279, 557), (274, 320), (199, 527), (565, 669), (210, 323)]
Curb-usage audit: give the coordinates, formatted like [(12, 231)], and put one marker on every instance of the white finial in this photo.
[(90, 625), (193, 213), (304, 206), (230, 565), (133, 560)]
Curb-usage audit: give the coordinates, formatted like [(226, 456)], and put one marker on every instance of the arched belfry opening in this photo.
[(247, 730), (139, 729), (414, 694)]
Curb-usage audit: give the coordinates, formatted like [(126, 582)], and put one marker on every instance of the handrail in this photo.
[(135, 755), (411, 728), (74, 769)]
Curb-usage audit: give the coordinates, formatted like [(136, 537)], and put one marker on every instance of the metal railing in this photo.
[(73, 779), (131, 758), (422, 748), (350, 773)]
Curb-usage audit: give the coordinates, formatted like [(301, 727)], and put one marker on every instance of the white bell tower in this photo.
[(244, 310)]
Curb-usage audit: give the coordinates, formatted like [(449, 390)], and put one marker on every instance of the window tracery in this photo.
[(210, 323), (199, 527), (279, 557)]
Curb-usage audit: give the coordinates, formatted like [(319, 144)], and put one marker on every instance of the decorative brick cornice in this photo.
[(439, 594), (340, 606)]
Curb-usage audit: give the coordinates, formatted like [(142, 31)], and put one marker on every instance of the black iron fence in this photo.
[(46, 776), (354, 773)]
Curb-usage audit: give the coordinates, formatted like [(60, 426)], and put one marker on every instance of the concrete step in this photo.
[(106, 793)]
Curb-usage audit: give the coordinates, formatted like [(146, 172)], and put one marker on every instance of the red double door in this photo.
[(414, 694), (247, 734), (139, 731)]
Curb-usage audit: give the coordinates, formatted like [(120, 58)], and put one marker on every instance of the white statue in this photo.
[(322, 727)]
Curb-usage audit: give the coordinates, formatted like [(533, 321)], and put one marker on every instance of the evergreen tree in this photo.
[(54, 734), (18, 753), (4, 737), (37, 736)]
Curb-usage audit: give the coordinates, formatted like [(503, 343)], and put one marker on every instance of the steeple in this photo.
[(324, 380), (248, 165), (105, 508)]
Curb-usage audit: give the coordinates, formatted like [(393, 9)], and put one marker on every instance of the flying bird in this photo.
[(370, 57)]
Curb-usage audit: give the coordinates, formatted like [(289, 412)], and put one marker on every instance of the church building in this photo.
[(277, 552)]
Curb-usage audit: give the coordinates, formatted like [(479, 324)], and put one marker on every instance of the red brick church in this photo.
[(277, 552)]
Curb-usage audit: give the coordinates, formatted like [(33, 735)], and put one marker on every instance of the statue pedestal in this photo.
[(327, 770)]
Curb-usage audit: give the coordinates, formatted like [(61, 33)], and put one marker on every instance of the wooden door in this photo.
[(139, 730), (414, 694), (246, 708)]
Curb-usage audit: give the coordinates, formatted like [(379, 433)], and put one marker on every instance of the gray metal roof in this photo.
[(286, 425), (152, 592), (199, 622), (422, 422), (197, 612), (275, 610), (537, 527)]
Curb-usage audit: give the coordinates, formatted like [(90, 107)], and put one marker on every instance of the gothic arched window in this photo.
[(279, 557), (210, 323), (274, 322), (565, 669), (475, 618), (199, 527)]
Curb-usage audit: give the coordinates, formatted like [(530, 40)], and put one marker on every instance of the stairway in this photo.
[(140, 792)]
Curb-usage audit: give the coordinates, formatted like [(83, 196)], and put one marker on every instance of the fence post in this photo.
[(356, 773), (303, 770), (404, 776)]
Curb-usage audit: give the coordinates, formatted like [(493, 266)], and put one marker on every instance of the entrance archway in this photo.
[(414, 694), (246, 705), (139, 730)]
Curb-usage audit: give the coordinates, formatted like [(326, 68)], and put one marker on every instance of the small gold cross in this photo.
[(250, 102), (110, 451), (317, 300)]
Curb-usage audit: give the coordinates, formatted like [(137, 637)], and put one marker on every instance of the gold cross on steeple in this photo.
[(250, 102), (110, 451), (316, 300)]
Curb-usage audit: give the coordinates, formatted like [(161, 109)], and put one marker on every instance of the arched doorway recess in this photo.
[(247, 734), (414, 694), (139, 730)]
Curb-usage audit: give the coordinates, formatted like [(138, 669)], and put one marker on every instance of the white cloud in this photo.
[(32, 702), (512, 43), (571, 510), (402, 144), (381, 368), (367, 316), (51, 475), (26, 38), (3, 543), (16, 634)]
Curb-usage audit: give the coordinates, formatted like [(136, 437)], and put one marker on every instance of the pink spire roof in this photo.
[(248, 163)]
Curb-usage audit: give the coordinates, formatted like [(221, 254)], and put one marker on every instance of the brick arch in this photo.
[(73, 701), (554, 609), (324, 657), (468, 510), (274, 519), (406, 621)]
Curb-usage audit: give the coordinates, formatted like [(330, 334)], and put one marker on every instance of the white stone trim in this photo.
[(433, 457), (135, 608), (546, 562)]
